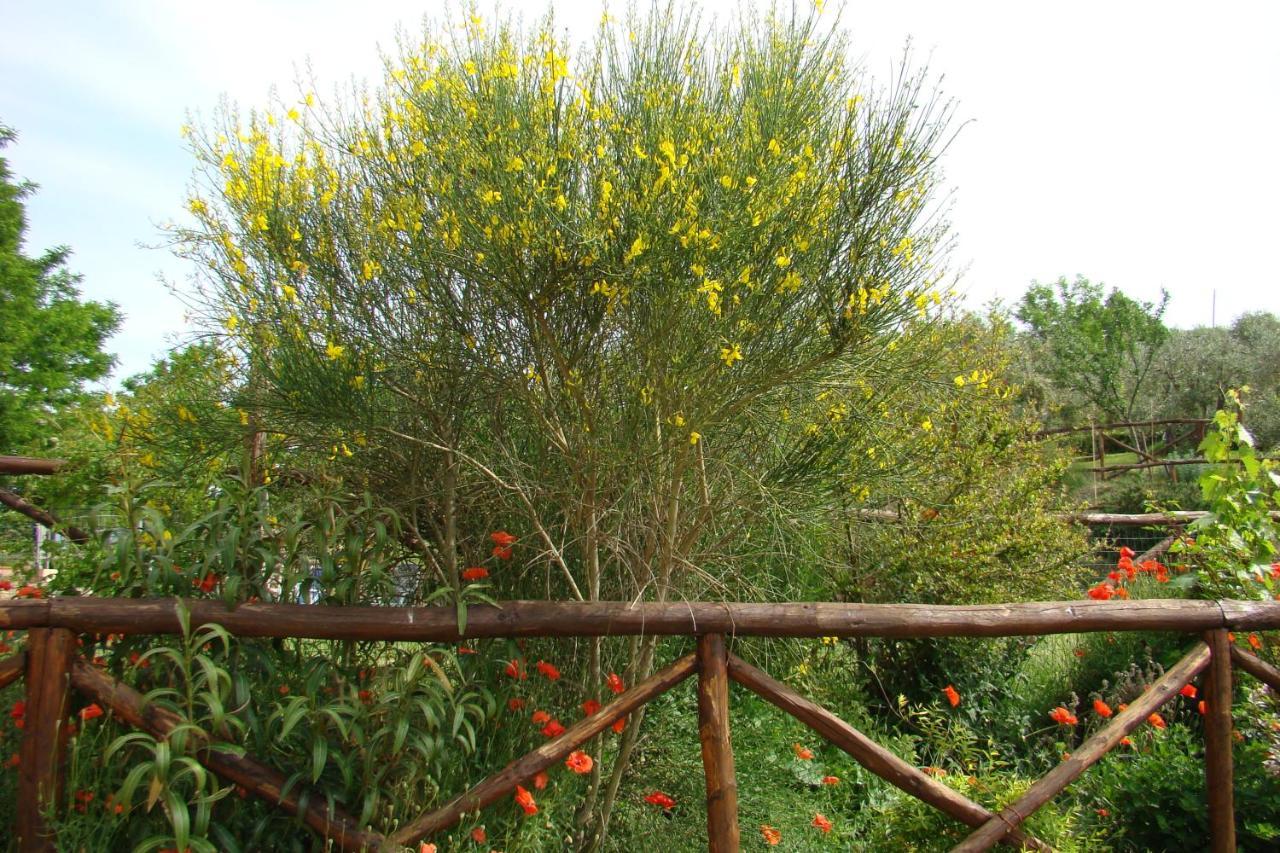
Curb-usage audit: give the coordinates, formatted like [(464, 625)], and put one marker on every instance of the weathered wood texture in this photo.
[(44, 734), (1085, 755), (1112, 519), (29, 465), (867, 752), (504, 782), (717, 751), (12, 668), (1258, 668), (17, 503), (613, 618), (1217, 745), (258, 779)]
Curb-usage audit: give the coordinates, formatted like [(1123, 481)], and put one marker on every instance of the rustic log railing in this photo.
[(52, 670)]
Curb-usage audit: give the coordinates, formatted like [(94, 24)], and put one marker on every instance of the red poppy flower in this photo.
[(590, 707), (29, 591), (1101, 592), (952, 695), (208, 582), (284, 689), (771, 836), (615, 683), (467, 650), (540, 780), (802, 752), (515, 669), (1202, 707), (1102, 813), (1124, 741), (579, 762), (1063, 717), (478, 836), (6, 585), (618, 725), (1122, 593), (831, 780), (1255, 642), (1188, 690), (820, 821), (1102, 709), (425, 847), (540, 718), (515, 704), (661, 800), (475, 573), (502, 542), (525, 800), (553, 729), (19, 710), (1127, 553), (1156, 720), (548, 670)]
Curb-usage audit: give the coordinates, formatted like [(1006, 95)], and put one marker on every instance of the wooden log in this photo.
[(47, 519), (18, 613), (44, 735), (620, 618), (1257, 667), (1052, 783), (29, 465), (1119, 425), (717, 751), (1217, 745), (12, 668), (257, 778), (556, 749), (1178, 518), (868, 753)]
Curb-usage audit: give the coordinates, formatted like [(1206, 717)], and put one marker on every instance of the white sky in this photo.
[(1132, 143)]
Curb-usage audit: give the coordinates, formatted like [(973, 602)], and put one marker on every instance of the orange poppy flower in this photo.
[(802, 752), (475, 573), (553, 729), (478, 835), (1156, 720), (515, 669), (502, 542), (771, 836), (831, 780), (515, 704), (821, 822), (1202, 707), (619, 724), (1063, 717), (91, 712), (1188, 690), (615, 683), (540, 780), (1124, 741), (548, 670), (525, 800), (952, 695), (426, 847), (579, 762), (590, 707), (540, 718), (1255, 642), (1102, 709)]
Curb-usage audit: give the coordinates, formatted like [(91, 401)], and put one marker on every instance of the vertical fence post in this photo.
[(44, 737), (1217, 744), (717, 755)]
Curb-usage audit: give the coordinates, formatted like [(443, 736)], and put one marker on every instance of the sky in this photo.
[(1130, 143)]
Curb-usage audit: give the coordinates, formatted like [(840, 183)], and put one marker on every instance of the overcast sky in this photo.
[(1132, 143)]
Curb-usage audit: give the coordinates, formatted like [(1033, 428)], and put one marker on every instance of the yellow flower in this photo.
[(290, 292), (678, 420), (959, 380), (774, 147), (782, 261), (637, 249), (515, 164), (726, 181), (491, 196), (926, 425), (730, 354), (334, 351), (695, 437)]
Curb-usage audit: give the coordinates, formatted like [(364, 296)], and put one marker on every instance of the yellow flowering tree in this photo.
[(627, 304)]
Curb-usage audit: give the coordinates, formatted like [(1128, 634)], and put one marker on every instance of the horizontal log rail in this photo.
[(1176, 518), (620, 618), (60, 619), (1120, 425), (29, 465)]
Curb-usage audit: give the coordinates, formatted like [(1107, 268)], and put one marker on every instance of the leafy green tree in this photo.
[(52, 340), (1096, 348)]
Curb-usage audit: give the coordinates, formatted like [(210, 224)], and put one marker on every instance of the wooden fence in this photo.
[(52, 669)]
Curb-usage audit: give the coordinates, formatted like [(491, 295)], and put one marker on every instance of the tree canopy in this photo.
[(52, 341)]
